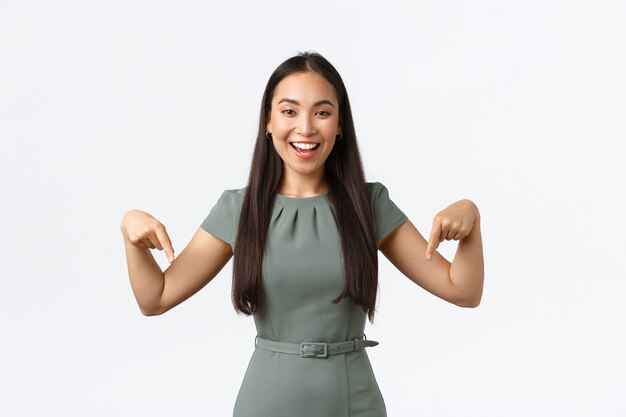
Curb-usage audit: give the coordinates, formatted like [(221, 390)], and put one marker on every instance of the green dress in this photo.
[(302, 273)]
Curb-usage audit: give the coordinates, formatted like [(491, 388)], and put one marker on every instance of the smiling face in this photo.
[(304, 111)]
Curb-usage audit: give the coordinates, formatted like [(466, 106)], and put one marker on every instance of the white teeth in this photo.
[(305, 145)]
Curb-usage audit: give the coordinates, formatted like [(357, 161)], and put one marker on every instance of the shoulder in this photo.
[(234, 194), (371, 185), (380, 198), (230, 201), (375, 189), (238, 192)]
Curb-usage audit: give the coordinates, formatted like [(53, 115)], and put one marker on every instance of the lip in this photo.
[(305, 156)]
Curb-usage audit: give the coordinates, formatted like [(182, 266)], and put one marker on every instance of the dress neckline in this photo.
[(302, 199)]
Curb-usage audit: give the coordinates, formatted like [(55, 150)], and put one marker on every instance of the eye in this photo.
[(325, 113), (288, 110)]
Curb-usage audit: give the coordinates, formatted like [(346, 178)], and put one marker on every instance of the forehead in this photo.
[(305, 87)]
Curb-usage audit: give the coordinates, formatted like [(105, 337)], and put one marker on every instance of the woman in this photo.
[(304, 233)]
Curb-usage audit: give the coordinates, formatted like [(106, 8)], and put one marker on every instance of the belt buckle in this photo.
[(320, 350)]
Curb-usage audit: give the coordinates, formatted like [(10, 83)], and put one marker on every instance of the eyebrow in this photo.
[(317, 103)]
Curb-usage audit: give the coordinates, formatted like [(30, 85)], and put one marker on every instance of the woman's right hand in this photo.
[(144, 231)]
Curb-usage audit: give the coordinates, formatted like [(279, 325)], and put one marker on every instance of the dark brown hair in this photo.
[(348, 197)]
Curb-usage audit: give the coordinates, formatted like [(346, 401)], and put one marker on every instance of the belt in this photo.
[(314, 349)]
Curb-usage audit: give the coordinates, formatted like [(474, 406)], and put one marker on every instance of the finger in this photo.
[(164, 239), (140, 244), (463, 232), (433, 240), (455, 229), (460, 234), (146, 241), (448, 230)]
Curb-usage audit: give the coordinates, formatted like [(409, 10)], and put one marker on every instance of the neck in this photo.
[(302, 186)]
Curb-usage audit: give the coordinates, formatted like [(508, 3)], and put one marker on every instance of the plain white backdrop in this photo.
[(518, 106)]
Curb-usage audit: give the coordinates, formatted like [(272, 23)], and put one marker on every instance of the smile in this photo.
[(304, 150)]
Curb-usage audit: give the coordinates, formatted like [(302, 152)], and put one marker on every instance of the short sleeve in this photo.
[(220, 222), (387, 216)]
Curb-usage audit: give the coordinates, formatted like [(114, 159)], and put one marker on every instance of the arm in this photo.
[(157, 291), (146, 277), (467, 271), (459, 283)]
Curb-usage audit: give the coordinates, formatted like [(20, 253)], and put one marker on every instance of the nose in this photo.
[(307, 126)]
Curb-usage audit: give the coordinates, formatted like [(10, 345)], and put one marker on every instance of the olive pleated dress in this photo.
[(302, 272)]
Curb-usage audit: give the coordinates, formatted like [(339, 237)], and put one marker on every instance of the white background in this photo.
[(518, 106)]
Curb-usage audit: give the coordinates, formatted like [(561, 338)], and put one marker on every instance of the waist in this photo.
[(310, 349)]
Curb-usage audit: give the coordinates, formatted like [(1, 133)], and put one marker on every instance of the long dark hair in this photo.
[(348, 197)]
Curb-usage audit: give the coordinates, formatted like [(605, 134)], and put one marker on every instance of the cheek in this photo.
[(331, 125), (333, 130), (281, 123)]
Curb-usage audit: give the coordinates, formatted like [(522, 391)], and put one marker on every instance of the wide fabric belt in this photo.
[(314, 349)]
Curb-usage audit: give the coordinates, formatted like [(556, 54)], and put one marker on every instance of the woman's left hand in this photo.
[(454, 222)]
